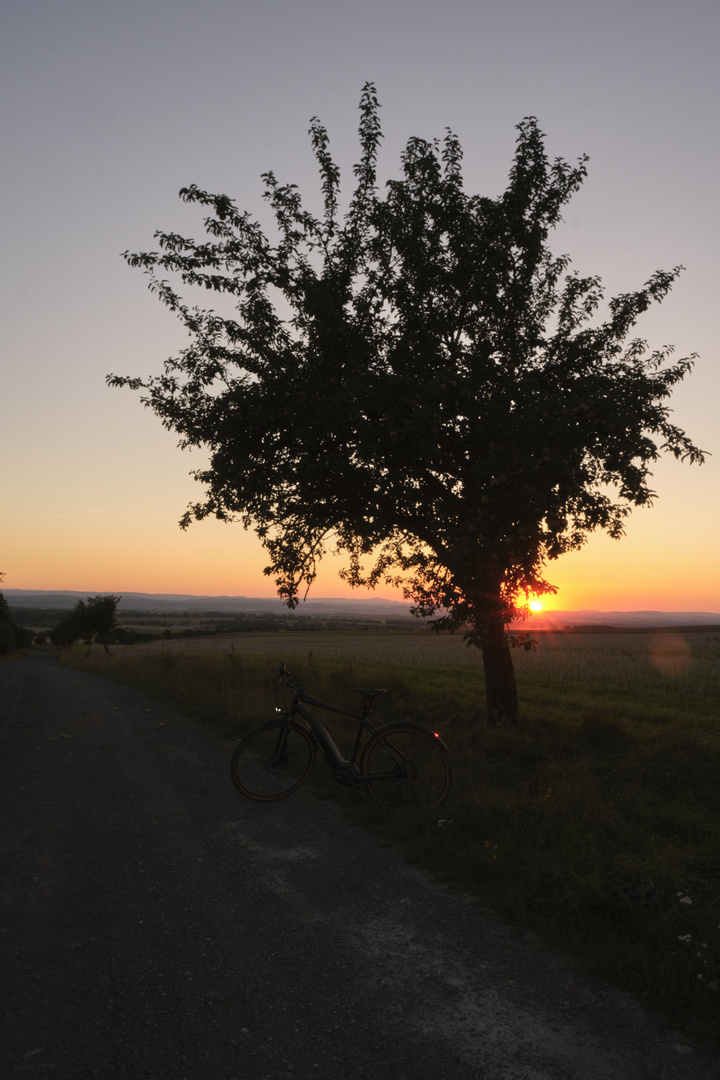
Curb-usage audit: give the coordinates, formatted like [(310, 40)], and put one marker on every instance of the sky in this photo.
[(110, 108)]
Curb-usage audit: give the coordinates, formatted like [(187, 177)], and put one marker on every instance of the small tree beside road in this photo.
[(89, 621), (418, 384)]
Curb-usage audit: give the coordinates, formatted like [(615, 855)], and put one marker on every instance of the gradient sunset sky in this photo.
[(110, 108)]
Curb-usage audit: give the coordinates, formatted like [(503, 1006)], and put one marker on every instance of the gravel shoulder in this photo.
[(156, 926)]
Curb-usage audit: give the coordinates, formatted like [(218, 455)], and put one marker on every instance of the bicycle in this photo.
[(401, 763)]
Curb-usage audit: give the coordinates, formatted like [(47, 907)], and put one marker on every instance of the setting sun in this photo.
[(535, 605)]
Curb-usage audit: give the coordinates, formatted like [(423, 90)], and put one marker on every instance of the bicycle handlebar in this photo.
[(288, 679), (302, 694)]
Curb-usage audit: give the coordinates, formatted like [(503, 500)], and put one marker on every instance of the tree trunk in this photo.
[(500, 690)]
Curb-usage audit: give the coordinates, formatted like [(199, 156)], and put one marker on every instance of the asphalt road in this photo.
[(156, 926)]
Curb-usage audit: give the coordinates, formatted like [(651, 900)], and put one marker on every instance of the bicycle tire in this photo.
[(408, 764), (256, 770)]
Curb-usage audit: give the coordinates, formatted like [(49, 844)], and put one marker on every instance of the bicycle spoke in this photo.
[(272, 761), (406, 765)]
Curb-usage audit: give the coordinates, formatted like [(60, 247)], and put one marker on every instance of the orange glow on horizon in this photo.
[(101, 552)]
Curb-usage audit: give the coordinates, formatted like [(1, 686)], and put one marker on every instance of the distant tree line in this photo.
[(39, 618), (95, 621)]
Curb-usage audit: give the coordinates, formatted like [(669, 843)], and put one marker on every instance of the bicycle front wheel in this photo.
[(406, 764), (272, 760)]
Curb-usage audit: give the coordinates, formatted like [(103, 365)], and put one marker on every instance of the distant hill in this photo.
[(181, 603), (551, 620), (177, 603)]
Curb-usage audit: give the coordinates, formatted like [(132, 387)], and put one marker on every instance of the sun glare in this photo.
[(535, 605)]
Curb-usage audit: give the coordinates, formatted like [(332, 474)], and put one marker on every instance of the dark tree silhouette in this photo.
[(8, 637), (12, 636), (89, 621), (418, 384)]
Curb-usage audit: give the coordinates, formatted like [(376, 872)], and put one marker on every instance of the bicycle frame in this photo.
[(342, 767)]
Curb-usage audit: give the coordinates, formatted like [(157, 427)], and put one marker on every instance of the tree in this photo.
[(418, 384), (4, 608), (8, 638), (67, 631), (88, 622), (12, 636), (100, 618)]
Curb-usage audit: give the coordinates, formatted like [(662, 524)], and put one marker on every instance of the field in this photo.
[(596, 822), (661, 660)]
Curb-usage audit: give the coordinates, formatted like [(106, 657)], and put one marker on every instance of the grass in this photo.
[(611, 780)]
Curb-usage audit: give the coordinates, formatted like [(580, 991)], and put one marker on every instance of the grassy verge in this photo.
[(14, 655), (612, 780)]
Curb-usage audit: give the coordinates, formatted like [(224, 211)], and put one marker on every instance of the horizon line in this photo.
[(337, 599)]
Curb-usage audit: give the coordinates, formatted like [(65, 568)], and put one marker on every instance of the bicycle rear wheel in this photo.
[(272, 760), (406, 765)]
